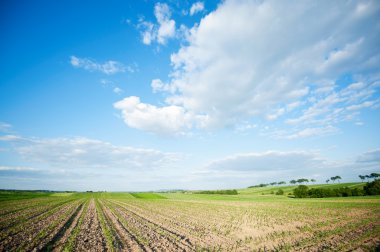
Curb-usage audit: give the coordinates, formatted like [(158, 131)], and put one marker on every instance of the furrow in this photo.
[(130, 239), (63, 229), (90, 236), (181, 241)]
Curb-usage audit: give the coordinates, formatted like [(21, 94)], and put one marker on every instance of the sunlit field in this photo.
[(187, 222)]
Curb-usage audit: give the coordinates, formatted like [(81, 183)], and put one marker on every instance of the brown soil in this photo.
[(90, 236), (31, 232)]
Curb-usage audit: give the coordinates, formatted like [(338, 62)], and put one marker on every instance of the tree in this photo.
[(292, 181), (313, 180), (281, 183), (301, 180), (362, 177), (372, 188), (280, 192), (273, 183), (327, 181), (367, 177), (338, 178), (301, 191), (374, 175)]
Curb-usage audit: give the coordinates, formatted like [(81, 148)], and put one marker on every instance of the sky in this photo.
[(146, 95)]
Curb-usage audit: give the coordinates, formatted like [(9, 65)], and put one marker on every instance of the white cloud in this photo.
[(236, 71), (148, 33), (10, 138), (196, 7), (83, 153), (244, 169), (117, 90), (365, 104), (16, 168), (109, 67), (167, 26), (268, 161), (160, 32), (79, 163), (337, 105), (372, 156), (162, 120), (5, 127), (310, 132)]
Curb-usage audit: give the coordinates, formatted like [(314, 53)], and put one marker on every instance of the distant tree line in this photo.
[(371, 188), (370, 176), (228, 192), (301, 181)]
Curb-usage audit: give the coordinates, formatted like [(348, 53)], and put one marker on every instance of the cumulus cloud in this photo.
[(196, 7), (160, 32), (109, 67), (161, 120), (268, 63)]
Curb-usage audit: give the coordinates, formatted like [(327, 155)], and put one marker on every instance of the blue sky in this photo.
[(145, 95)]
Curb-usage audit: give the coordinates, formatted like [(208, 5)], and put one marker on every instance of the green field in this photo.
[(253, 220)]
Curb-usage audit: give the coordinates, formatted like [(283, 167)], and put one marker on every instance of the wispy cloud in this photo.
[(10, 138), (113, 85), (271, 160), (196, 7), (117, 90), (81, 163), (302, 133), (5, 127), (81, 152), (372, 156), (109, 67), (244, 169), (337, 105)]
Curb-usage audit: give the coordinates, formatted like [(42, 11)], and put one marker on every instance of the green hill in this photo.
[(289, 189)]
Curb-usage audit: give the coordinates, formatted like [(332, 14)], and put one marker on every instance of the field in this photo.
[(249, 221)]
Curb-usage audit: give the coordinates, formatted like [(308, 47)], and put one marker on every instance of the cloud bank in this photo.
[(266, 60)]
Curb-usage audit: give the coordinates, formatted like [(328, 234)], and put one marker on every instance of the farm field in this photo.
[(186, 222)]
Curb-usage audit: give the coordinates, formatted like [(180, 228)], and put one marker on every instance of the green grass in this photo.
[(61, 194), (17, 195), (260, 194), (148, 196)]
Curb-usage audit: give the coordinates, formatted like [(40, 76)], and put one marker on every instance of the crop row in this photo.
[(106, 224)]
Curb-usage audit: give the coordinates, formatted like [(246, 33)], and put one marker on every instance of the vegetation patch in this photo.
[(228, 192), (371, 188), (147, 196)]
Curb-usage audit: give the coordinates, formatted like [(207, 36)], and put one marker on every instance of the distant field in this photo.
[(249, 221)]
